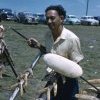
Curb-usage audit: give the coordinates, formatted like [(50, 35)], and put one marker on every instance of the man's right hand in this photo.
[(33, 43)]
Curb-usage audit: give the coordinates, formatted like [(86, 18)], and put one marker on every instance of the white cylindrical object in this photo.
[(63, 65)]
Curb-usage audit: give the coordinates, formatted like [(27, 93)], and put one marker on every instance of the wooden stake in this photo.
[(86, 97)]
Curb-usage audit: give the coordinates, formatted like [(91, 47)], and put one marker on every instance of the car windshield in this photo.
[(29, 14), (41, 15), (71, 16), (90, 18)]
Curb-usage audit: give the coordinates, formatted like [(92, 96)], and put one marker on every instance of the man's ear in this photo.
[(62, 18)]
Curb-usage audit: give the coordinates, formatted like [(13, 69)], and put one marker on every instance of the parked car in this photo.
[(97, 18), (89, 20), (41, 18), (26, 18), (72, 20), (6, 14)]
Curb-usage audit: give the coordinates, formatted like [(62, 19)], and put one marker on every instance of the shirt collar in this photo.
[(62, 36)]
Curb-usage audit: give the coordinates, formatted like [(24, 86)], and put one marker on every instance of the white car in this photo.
[(26, 18), (72, 19), (89, 20)]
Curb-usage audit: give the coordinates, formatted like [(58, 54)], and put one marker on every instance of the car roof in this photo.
[(71, 15), (87, 16)]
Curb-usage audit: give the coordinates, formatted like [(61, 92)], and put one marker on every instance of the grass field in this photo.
[(23, 56)]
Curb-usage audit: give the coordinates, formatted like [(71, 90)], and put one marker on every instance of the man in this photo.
[(2, 43), (64, 43)]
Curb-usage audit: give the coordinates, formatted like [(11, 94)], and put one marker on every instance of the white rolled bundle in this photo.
[(62, 65)]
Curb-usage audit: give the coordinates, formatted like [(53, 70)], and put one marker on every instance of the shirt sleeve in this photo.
[(76, 53)]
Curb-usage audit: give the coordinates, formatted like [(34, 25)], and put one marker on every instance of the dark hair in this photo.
[(58, 8)]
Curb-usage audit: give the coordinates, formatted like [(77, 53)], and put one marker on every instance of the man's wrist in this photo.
[(42, 49), (38, 44)]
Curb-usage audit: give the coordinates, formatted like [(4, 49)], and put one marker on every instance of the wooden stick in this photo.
[(48, 93), (45, 89), (18, 89), (92, 89), (94, 81), (15, 85), (22, 81), (55, 88), (14, 93), (48, 90), (90, 83), (86, 97)]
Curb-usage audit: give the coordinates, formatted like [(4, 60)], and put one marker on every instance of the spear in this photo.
[(41, 48), (19, 33), (43, 51), (22, 81)]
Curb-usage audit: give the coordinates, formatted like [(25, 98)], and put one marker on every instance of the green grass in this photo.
[(23, 56)]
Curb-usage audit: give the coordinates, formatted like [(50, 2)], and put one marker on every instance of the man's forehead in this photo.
[(52, 12)]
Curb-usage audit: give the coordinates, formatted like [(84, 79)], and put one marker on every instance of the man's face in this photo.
[(53, 19)]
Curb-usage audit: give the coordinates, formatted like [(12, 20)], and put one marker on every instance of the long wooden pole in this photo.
[(27, 74)]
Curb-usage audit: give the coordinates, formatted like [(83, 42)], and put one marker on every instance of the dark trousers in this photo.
[(67, 90)]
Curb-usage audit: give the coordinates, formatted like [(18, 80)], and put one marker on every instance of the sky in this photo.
[(72, 7)]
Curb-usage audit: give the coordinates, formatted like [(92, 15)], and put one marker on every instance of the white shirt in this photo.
[(66, 45)]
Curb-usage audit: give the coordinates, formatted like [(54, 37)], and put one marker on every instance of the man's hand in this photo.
[(33, 43)]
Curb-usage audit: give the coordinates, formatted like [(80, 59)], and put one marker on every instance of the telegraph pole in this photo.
[(87, 7)]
